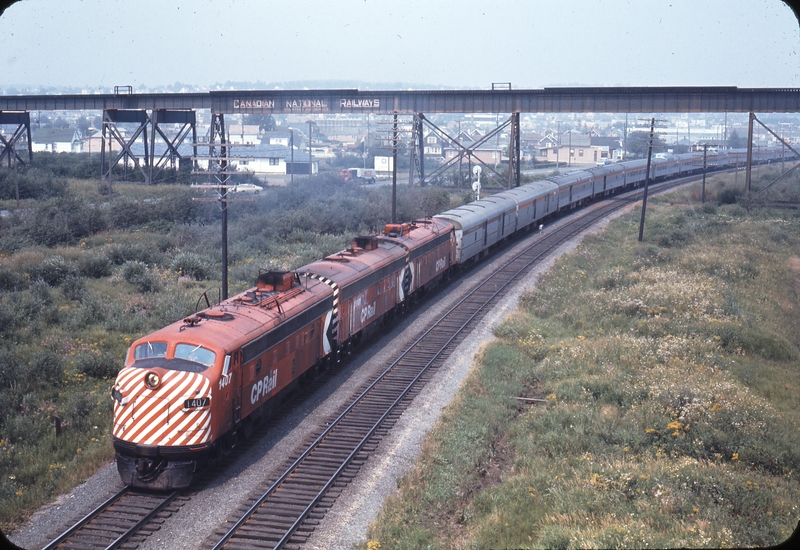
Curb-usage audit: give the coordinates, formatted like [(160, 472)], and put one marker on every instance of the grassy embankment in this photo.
[(82, 274), (666, 374)]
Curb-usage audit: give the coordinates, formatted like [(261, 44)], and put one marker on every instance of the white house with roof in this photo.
[(56, 140)]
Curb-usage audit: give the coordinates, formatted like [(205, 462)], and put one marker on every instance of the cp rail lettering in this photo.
[(264, 386)]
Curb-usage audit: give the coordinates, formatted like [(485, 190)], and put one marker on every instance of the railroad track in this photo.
[(114, 522), (287, 512), (292, 506)]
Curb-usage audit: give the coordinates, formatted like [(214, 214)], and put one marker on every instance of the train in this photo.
[(189, 391)]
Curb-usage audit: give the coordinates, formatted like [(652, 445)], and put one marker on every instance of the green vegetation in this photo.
[(643, 395), (83, 273)]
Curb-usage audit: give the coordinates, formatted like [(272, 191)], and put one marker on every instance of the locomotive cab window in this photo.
[(150, 349), (198, 354)]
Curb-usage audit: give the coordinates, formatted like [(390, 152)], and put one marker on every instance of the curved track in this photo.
[(289, 509)]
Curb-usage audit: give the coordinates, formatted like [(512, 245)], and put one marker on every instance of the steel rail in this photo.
[(107, 506), (89, 517)]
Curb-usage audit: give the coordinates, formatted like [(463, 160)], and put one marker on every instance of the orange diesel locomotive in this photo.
[(190, 389)]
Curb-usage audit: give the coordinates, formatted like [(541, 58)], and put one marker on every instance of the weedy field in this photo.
[(642, 395), (84, 272)]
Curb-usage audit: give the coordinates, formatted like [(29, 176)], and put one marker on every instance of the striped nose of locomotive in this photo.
[(161, 407)]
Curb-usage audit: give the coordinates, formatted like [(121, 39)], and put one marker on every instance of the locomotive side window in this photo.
[(198, 354), (150, 349)]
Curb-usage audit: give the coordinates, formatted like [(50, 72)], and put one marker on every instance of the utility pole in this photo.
[(647, 176), (219, 169), (705, 165), (558, 144), (748, 170), (291, 146), (394, 169)]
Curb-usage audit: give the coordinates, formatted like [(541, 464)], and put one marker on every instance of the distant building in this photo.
[(244, 133), (577, 148), (56, 140)]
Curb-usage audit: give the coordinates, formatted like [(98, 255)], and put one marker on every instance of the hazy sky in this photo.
[(452, 43)]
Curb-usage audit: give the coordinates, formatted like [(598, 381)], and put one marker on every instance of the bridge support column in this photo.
[(470, 152), (8, 147), (417, 165), (148, 125)]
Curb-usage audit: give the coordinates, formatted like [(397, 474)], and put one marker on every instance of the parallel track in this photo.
[(288, 511)]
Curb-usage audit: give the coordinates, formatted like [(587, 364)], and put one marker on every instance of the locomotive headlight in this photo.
[(152, 380)]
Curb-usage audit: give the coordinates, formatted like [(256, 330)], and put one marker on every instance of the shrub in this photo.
[(118, 254), (74, 288), (77, 411), (729, 195), (191, 264), (32, 182), (97, 364), (53, 270), (709, 208), (44, 369), (95, 265), (139, 275), (11, 280), (62, 222)]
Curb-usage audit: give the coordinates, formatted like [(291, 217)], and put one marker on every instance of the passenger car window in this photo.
[(150, 349), (198, 354)]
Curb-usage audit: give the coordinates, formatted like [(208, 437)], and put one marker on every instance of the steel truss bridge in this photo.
[(151, 111)]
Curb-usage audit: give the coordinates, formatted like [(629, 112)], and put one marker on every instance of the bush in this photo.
[(74, 288), (118, 254), (33, 183), (191, 265), (729, 195), (139, 275), (11, 280), (54, 270), (96, 364), (95, 265), (45, 369), (62, 222), (77, 410)]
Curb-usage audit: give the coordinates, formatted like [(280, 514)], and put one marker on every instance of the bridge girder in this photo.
[(693, 99)]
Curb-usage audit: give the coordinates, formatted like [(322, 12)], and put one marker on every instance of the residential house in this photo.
[(577, 148), (433, 146), (244, 133), (56, 140), (491, 152)]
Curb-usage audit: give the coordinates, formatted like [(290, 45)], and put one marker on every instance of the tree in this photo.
[(265, 122), (638, 143), (735, 141)]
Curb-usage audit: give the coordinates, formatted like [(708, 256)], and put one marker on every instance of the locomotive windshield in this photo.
[(198, 354), (150, 349)]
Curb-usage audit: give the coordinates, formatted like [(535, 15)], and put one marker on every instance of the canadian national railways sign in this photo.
[(304, 105)]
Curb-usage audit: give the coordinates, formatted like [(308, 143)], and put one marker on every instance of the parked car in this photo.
[(247, 188)]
